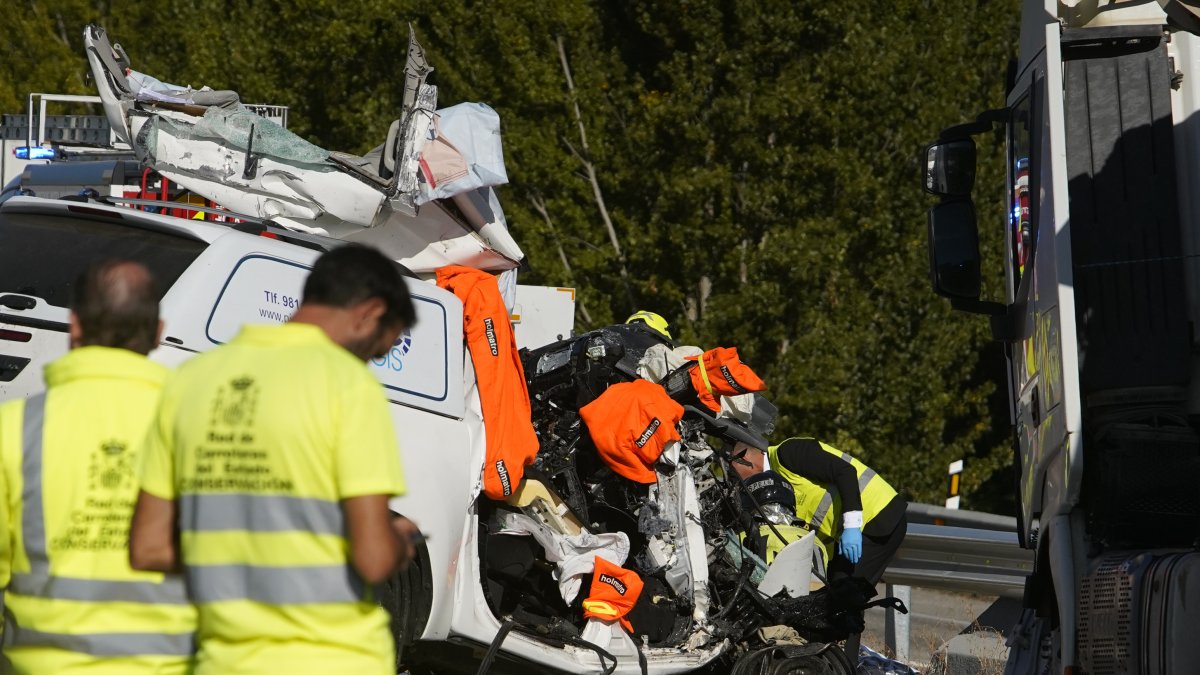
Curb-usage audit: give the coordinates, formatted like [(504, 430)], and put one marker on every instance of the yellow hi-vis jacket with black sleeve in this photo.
[(70, 457), (259, 442), (820, 504)]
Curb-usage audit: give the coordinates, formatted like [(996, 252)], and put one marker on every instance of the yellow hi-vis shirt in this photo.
[(821, 506), (70, 459), (258, 441)]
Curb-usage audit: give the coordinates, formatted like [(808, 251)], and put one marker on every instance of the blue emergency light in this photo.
[(36, 152)]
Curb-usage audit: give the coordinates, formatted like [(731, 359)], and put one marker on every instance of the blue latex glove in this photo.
[(850, 546)]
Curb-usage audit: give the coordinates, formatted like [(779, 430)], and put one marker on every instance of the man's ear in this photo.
[(159, 333), (75, 331), (369, 311)]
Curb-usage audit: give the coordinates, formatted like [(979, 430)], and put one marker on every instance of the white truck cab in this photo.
[(1098, 319)]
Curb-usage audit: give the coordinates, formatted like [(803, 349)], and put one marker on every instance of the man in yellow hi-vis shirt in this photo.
[(275, 456), (69, 457), (841, 499)]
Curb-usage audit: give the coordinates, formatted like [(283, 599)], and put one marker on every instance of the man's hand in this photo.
[(850, 545), (407, 535)]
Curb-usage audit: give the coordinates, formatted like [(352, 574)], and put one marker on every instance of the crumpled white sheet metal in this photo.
[(216, 167), (143, 87), (573, 555), (286, 179), (682, 547)]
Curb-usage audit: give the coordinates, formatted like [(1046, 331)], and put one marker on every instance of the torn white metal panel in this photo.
[(682, 547), (431, 240), (251, 165), (266, 187), (415, 130)]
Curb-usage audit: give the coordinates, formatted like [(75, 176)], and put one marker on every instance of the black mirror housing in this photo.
[(954, 260), (950, 168)]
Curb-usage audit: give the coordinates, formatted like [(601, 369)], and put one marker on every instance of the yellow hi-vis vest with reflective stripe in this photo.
[(259, 442), (820, 505), (69, 457)]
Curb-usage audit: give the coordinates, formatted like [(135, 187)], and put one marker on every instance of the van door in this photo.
[(256, 280)]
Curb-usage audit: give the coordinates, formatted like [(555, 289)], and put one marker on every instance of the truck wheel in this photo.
[(408, 597)]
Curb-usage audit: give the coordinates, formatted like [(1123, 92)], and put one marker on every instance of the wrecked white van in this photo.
[(496, 586)]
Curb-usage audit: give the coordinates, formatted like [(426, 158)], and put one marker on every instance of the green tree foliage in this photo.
[(756, 160)]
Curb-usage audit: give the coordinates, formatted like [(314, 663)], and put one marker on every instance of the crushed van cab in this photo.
[(577, 492)]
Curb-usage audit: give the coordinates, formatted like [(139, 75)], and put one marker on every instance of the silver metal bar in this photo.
[(961, 559), (42, 122), (896, 626), (987, 521)]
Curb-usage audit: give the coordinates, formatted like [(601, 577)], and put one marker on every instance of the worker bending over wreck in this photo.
[(843, 500)]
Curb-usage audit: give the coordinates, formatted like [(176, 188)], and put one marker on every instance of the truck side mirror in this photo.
[(950, 168), (954, 261)]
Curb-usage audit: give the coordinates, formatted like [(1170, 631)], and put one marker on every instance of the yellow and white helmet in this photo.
[(654, 321)]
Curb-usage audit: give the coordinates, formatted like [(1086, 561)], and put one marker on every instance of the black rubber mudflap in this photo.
[(1126, 245)]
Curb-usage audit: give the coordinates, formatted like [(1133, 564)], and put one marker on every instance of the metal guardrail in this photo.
[(984, 557), (930, 514), (970, 560)]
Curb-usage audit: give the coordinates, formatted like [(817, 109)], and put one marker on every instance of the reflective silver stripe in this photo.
[(103, 644), (823, 507), (170, 591), (275, 585), (259, 513), (38, 581), (867, 474), (33, 527)]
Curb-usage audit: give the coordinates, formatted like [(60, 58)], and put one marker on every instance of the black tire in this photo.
[(810, 659), (408, 597)]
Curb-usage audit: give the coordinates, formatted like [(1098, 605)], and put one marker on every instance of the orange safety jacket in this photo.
[(720, 372), (614, 592), (631, 424), (510, 439)]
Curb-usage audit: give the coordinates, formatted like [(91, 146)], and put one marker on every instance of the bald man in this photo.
[(69, 459)]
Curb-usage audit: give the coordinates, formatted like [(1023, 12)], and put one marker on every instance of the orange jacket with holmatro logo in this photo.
[(614, 592), (511, 441), (631, 424), (722, 373)]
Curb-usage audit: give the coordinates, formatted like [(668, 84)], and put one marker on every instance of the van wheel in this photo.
[(408, 597), (809, 659)]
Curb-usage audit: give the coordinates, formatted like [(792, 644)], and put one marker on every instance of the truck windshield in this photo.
[(41, 255)]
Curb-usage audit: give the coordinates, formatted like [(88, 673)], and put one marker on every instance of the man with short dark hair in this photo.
[(274, 457), (69, 459)]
